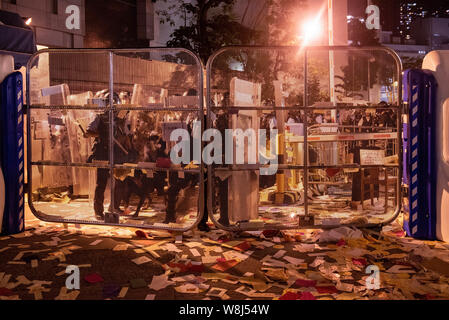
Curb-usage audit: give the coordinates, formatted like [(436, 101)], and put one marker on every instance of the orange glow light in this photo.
[(311, 30)]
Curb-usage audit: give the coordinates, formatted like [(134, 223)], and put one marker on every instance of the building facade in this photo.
[(412, 12), (48, 20), (426, 34), (119, 23), (433, 32), (103, 23)]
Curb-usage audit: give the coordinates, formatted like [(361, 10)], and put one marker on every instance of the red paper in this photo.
[(223, 239), (187, 267), (243, 246), (93, 278), (223, 266), (6, 292), (326, 289), (399, 234), (290, 296), (182, 267), (359, 262), (196, 268), (307, 296), (270, 233), (305, 283)]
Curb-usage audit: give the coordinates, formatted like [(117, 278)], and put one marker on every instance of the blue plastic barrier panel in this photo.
[(12, 153), (419, 155)]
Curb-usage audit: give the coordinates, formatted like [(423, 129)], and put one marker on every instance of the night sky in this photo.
[(357, 7), (390, 10)]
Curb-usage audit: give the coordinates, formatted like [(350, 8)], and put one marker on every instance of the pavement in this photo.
[(125, 263)]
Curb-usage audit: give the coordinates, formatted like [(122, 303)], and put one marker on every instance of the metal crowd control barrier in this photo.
[(324, 179), (130, 101)]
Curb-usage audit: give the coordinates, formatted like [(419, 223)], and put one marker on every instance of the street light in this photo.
[(311, 30), (28, 21)]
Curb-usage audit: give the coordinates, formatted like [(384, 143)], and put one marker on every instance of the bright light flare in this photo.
[(311, 30), (28, 21)]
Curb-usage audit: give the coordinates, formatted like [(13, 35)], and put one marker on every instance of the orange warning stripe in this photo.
[(344, 137)]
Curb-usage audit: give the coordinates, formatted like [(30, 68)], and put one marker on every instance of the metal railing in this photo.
[(89, 56), (396, 108), (307, 140)]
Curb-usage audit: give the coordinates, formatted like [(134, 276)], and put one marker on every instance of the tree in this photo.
[(411, 63), (355, 77), (360, 35), (208, 25), (364, 70), (283, 20)]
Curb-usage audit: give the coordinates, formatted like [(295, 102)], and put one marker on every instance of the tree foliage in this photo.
[(365, 68), (363, 71), (208, 25), (283, 21), (360, 35), (411, 63)]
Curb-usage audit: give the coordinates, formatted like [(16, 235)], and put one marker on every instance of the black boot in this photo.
[(99, 216), (169, 219), (224, 221), (170, 215), (203, 227), (116, 210)]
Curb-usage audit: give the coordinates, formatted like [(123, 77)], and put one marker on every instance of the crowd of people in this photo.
[(142, 142)]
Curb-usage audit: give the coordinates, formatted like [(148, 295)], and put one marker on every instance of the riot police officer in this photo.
[(99, 129)]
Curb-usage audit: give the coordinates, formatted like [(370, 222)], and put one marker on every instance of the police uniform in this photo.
[(177, 184), (100, 151)]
